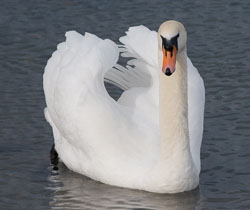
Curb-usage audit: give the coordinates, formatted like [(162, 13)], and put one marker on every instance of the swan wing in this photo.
[(139, 79), (74, 91), (94, 135), (70, 72), (139, 43)]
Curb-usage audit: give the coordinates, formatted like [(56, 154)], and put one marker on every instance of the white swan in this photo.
[(150, 138)]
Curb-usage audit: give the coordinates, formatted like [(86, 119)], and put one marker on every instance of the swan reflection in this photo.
[(75, 191)]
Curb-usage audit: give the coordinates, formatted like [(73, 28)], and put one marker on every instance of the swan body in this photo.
[(150, 138)]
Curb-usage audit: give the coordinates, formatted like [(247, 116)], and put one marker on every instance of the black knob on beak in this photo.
[(168, 72)]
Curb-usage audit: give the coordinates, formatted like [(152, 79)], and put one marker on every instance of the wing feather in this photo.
[(140, 44)]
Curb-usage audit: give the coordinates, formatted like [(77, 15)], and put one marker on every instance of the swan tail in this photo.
[(140, 44)]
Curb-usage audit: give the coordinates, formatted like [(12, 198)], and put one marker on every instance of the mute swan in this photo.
[(150, 138)]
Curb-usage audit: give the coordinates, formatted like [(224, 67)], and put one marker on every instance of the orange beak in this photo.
[(169, 60)]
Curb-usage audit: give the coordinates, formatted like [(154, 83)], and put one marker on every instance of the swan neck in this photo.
[(173, 109)]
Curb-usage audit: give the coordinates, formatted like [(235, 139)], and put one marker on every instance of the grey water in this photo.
[(218, 45)]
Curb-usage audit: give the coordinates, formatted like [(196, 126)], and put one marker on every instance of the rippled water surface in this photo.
[(218, 44)]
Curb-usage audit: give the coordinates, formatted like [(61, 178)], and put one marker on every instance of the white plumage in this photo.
[(117, 143)]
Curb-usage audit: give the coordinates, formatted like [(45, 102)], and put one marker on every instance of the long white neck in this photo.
[(174, 111)]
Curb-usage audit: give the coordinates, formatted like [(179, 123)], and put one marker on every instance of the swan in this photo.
[(150, 138)]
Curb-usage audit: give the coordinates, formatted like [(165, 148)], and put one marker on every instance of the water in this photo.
[(218, 45)]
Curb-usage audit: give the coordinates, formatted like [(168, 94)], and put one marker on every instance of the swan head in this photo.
[(172, 38)]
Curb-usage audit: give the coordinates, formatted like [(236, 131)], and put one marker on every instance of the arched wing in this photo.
[(140, 44), (74, 72)]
